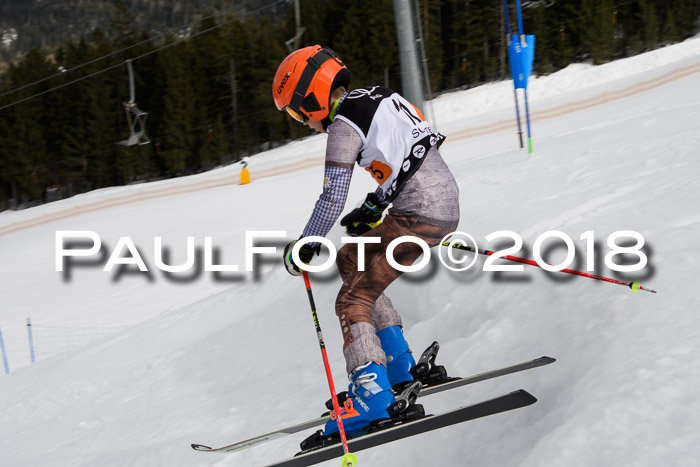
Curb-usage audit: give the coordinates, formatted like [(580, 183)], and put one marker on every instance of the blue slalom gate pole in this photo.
[(515, 92), (527, 120), (4, 354), (31, 340), (520, 21), (523, 43)]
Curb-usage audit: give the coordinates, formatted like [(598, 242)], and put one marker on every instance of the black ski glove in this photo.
[(363, 219), (306, 254)]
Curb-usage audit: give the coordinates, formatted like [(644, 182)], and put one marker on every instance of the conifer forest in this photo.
[(203, 74)]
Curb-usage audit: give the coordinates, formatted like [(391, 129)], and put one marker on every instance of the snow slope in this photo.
[(216, 358)]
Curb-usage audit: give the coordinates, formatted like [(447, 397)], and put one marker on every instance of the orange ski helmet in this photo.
[(304, 81)]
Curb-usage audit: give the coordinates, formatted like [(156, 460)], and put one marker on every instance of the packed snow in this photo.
[(216, 357)]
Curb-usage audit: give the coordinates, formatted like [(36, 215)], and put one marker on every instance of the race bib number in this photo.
[(380, 171)]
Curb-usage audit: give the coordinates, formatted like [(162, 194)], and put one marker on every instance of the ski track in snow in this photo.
[(216, 359)]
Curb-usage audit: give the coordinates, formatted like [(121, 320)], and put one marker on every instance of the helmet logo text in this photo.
[(284, 81)]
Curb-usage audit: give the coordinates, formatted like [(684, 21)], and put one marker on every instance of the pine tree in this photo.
[(27, 147), (472, 45), (178, 109), (122, 22), (69, 133), (322, 20), (430, 17), (598, 30), (265, 46), (235, 43), (211, 85), (650, 22), (6, 168), (360, 33)]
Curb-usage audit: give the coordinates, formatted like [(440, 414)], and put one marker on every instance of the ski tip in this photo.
[(548, 359), (200, 447), (526, 397)]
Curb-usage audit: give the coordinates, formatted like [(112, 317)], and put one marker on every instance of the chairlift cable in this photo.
[(165, 46), (157, 36)]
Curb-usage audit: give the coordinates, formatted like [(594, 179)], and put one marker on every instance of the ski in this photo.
[(239, 446), (514, 400), (459, 382), (426, 391)]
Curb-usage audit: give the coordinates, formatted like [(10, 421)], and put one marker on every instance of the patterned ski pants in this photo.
[(361, 305)]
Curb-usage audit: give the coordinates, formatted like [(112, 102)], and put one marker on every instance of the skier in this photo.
[(387, 136)]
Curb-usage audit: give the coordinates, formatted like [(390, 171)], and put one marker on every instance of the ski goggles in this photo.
[(298, 116)]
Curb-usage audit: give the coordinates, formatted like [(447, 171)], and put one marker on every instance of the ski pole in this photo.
[(635, 286), (349, 459)]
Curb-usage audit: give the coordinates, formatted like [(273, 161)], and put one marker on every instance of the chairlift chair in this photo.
[(135, 117)]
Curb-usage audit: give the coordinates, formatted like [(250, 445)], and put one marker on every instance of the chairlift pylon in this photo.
[(293, 43), (135, 117)]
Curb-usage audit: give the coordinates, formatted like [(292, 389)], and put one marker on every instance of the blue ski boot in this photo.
[(399, 358), (368, 406), (370, 398)]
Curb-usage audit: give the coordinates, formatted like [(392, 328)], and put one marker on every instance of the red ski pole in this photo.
[(632, 285), (349, 459)]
